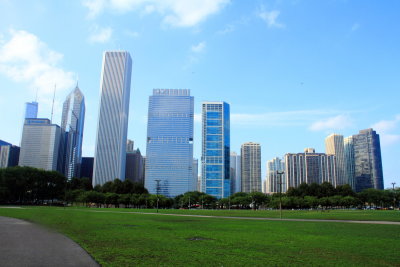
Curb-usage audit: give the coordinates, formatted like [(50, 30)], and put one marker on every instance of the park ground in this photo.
[(119, 237)]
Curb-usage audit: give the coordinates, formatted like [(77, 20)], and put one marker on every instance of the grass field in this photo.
[(126, 239)]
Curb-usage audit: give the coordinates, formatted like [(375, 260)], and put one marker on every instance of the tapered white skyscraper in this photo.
[(334, 145), (115, 84)]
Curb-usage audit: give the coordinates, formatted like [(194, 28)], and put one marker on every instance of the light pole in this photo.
[(158, 190), (280, 192), (394, 196)]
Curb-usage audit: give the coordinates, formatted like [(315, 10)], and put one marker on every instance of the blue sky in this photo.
[(292, 71)]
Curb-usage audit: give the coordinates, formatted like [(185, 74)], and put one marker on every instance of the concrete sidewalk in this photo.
[(26, 244)]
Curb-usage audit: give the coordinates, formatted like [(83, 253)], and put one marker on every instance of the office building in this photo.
[(129, 146), (41, 145), (367, 160), (195, 174), (87, 167), (110, 150), (251, 167), (309, 167), (236, 173), (274, 182), (134, 170), (72, 122), (334, 145), (215, 157), (169, 154), (31, 110), (9, 155), (349, 161)]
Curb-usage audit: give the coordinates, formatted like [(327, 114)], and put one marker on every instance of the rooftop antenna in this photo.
[(52, 106)]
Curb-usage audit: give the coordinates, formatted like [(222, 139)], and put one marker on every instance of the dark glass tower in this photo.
[(368, 161)]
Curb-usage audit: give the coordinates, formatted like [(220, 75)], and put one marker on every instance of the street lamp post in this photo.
[(158, 191), (394, 196), (280, 192)]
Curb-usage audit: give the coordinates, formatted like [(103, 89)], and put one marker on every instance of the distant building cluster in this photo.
[(168, 168), (355, 160)]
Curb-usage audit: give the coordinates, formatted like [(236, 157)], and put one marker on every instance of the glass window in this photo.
[(213, 122), (214, 138), (216, 153), (214, 168), (213, 183), (214, 130)]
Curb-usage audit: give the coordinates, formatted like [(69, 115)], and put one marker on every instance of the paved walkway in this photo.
[(26, 244), (253, 218)]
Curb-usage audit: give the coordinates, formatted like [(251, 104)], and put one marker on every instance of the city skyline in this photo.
[(292, 72)]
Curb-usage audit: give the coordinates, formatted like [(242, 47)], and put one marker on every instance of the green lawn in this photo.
[(126, 239)]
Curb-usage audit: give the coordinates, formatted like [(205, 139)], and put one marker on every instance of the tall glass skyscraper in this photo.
[(367, 160), (110, 151), (169, 155), (215, 157), (274, 183), (236, 173), (31, 110), (72, 121), (251, 167), (349, 161)]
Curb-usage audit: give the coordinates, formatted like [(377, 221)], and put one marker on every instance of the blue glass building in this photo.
[(215, 156), (31, 110), (169, 155)]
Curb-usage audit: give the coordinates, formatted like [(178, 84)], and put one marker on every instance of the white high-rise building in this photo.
[(110, 151), (40, 145), (334, 145), (72, 121), (251, 167)]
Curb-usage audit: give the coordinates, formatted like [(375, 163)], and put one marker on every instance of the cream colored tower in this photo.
[(334, 145)]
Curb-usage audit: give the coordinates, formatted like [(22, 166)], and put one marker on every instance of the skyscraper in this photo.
[(215, 157), (274, 182), (251, 167), (41, 145), (334, 145), (367, 160), (349, 161), (72, 121), (309, 167), (134, 166), (169, 154), (31, 110), (110, 151), (9, 155), (236, 173)]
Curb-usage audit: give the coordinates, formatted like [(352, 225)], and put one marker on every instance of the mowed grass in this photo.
[(118, 238), (358, 215)]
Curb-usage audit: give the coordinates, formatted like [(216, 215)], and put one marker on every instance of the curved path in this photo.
[(26, 244)]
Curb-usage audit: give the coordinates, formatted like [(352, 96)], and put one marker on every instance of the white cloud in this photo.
[(270, 17), (179, 13), (228, 29), (338, 122), (25, 58), (100, 35), (385, 129), (199, 47)]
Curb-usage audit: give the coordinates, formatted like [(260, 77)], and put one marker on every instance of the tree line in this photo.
[(26, 185)]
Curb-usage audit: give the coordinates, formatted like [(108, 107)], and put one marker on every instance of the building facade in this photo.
[(367, 160), (72, 122), (334, 145), (41, 145), (110, 150), (134, 170), (349, 161), (309, 167), (87, 167), (9, 155), (251, 167), (274, 182), (215, 157), (169, 152), (31, 110), (236, 173)]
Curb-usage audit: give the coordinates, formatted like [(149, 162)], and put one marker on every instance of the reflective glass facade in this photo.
[(169, 154), (73, 118), (31, 110), (216, 149), (349, 161), (367, 160), (110, 151), (273, 180)]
